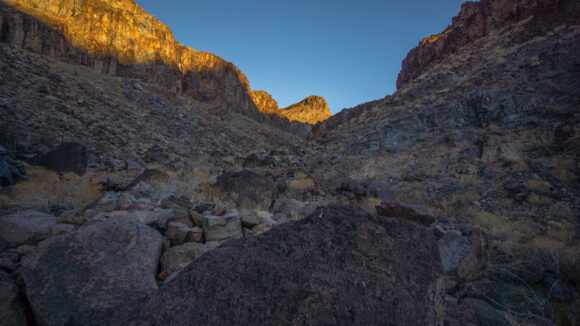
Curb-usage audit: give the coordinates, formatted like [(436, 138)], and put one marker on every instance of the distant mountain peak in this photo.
[(312, 109)]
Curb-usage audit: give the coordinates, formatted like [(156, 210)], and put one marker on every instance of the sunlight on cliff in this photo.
[(128, 34), (434, 38)]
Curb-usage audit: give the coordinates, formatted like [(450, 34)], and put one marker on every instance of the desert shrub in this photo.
[(50, 192), (185, 183)]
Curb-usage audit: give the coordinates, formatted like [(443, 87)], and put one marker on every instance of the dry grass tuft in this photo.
[(48, 191)]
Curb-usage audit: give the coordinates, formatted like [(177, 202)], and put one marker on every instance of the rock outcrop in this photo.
[(475, 20), (311, 110), (265, 102), (340, 265)]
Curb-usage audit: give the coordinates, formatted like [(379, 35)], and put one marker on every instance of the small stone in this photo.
[(438, 231), (203, 206), (195, 234), (181, 216), (248, 233), (196, 218), (177, 232), (132, 165), (249, 219), (108, 203), (68, 217), (59, 229), (7, 265), (219, 228)]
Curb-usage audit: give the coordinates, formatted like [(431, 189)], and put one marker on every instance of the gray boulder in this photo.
[(97, 267), (220, 228), (27, 227)]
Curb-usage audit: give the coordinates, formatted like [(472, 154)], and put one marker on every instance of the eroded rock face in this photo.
[(341, 265), (265, 102), (97, 267)]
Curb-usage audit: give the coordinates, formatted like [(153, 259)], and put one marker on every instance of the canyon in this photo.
[(145, 182)]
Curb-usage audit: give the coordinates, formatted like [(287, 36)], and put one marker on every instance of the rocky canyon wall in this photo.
[(118, 37)]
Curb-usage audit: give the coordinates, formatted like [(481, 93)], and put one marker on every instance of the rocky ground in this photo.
[(453, 202)]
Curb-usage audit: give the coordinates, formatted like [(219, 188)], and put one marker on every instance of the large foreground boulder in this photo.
[(341, 265), (97, 267), (27, 227)]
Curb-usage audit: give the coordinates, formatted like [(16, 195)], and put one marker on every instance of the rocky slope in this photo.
[(479, 19), (311, 110), (484, 127)]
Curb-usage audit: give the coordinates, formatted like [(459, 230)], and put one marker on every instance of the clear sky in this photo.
[(347, 51)]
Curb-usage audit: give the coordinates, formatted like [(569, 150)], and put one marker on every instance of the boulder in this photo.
[(220, 228), (175, 202), (11, 310), (157, 218), (297, 210), (27, 227), (418, 213), (249, 219), (340, 265), (181, 216), (461, 254), (247, 189), (97, 267), (381, 191), (177, 258), (67, 157), (177, 233), (108, 203), (132, 165), (195, 234)]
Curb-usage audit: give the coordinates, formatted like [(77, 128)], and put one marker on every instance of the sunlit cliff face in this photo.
[(120, 32), (122, 29)]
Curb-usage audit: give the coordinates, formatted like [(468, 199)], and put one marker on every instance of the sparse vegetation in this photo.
[(48, 191)]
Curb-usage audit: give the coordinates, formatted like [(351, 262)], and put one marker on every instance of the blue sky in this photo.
[(349, 52)]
